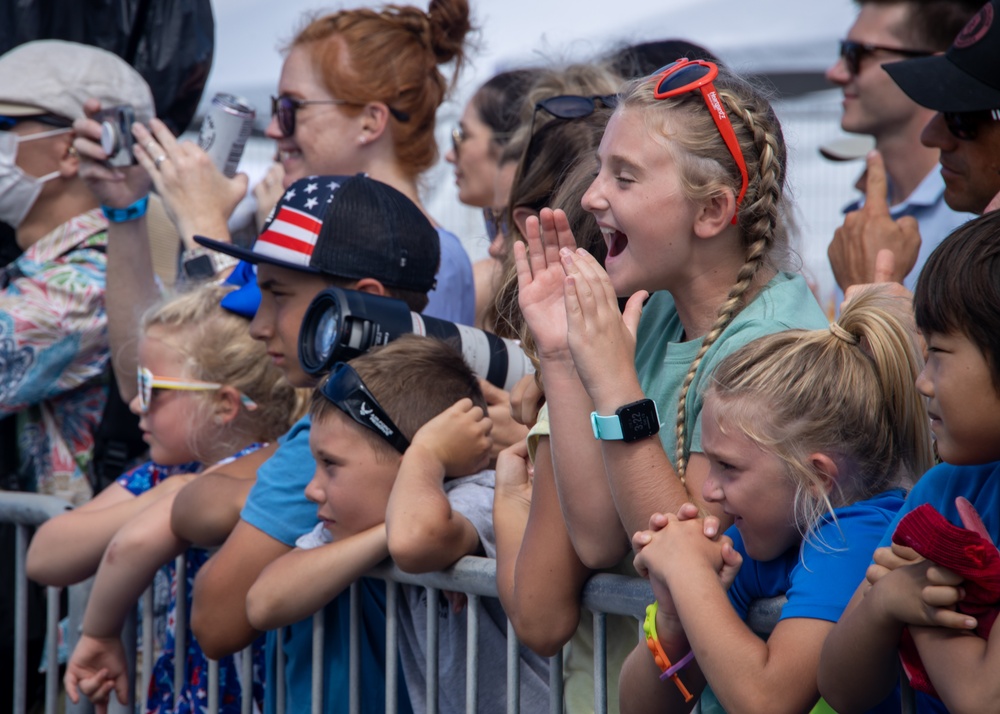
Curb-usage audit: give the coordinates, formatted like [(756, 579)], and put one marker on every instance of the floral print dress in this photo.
[(193, 699)]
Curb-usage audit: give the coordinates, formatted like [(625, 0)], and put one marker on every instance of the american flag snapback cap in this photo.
[(348, 227)]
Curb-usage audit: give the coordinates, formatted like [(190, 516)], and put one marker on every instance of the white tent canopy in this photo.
[(761, 36)]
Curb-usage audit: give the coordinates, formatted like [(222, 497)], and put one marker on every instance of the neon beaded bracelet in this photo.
[(660, 657)]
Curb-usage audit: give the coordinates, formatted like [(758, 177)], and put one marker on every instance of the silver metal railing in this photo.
[(25, 511), (474, 576), (603, 594)]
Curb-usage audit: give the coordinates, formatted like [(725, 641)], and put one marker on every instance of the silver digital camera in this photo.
[(116, 134)]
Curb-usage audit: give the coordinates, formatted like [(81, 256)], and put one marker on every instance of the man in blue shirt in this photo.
[(914, 205)]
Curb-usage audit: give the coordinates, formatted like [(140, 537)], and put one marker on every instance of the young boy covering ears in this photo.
[(400, 436)]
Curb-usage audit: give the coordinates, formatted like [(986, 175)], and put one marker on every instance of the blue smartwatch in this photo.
[(629, 423)]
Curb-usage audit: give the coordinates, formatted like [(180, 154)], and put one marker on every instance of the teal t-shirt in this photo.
[(662, 360)]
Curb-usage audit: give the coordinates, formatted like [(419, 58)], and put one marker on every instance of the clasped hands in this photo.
[(678, 546), (915, 591)]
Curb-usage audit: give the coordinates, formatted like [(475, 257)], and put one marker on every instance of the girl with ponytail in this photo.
[(809, 436)]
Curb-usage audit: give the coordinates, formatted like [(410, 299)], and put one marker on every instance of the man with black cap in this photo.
[(904, 190), (53, 327), (963, 87)]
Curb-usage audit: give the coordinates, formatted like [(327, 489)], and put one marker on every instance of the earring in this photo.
[(363, 140), (217, 420), (72, 152)]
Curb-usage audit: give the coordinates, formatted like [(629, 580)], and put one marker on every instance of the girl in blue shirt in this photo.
[(809, 436)]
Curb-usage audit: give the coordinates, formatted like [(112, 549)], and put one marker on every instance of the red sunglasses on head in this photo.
[(685, 76)]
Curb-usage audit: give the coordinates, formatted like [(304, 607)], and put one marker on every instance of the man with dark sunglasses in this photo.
[(905, 173), (963, 88)]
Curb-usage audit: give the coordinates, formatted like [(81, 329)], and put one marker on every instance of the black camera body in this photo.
[(116, 134), (342, 324)]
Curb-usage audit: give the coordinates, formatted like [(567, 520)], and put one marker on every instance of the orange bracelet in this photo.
[(659, 656)]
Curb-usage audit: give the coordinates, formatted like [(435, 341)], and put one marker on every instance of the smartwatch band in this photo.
[(632, 422)]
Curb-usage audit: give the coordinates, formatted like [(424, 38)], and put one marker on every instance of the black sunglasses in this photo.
[(574, 106), (349, 394), (965, 125), (569, 106), (8, 122), (853, 52), (285, 107)]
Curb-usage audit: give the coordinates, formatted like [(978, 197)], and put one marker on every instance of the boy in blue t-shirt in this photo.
[(344, 231), (957, 306)]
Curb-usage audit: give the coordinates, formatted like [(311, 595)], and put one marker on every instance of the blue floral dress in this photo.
[(194, 697)]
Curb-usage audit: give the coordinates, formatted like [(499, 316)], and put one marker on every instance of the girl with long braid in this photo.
[(689, 196)]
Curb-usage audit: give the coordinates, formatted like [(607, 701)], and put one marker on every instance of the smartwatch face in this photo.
[(638, 420), (199, 268)]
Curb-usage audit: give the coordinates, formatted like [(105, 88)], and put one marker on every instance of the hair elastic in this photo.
[(839, 332)]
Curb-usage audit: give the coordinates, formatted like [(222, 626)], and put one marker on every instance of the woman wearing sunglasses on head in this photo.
[(567, 109), (539, 576)]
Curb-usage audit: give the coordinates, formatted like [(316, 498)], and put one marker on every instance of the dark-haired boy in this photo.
[(956, 310), (395, 434), (345, 231)]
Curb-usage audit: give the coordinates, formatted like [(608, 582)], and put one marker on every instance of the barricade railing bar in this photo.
[(603, 594), (25, 510)]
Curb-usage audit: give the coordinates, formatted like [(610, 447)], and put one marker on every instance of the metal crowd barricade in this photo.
[(603, 594), (25, 510)]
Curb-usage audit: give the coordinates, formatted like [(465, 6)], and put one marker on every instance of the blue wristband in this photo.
[(129, 213)]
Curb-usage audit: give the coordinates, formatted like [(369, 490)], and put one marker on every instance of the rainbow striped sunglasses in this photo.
[(147, 382)]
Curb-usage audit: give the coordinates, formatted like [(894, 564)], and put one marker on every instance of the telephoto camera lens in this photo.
[(342, 324)]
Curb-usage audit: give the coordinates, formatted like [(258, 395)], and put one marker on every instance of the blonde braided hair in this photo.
[(707, 168)]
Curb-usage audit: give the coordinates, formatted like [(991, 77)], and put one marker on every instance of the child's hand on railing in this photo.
[(96, 667)]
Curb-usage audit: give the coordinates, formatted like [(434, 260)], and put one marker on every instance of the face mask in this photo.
[(18, 190)]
